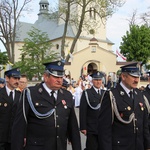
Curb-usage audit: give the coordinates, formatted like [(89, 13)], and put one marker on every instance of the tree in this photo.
[(146, 18), (10, 11), (100, 8), (135, 45), (3, 58), (35, 52)]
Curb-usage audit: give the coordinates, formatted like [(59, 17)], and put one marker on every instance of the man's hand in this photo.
[(83, 131), (24, 142)]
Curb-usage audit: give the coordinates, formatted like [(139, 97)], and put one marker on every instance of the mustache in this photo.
[(16, 83), (135, 82)]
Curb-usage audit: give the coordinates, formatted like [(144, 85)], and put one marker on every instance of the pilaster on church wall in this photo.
[(18, 46)]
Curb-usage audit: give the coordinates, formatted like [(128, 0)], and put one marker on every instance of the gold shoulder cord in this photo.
[(147, 104), (115, 111), (99, 105)]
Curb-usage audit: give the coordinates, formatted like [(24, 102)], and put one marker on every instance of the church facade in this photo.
[(91, 53)]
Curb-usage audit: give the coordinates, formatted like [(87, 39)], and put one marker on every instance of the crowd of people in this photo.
[(113, 112), (85, 82)]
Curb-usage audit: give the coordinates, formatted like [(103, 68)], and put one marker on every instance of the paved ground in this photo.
[(83, 138)]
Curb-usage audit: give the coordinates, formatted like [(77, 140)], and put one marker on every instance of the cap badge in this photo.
[(98, 73), (121, 93), (40, 90), (59, 63)]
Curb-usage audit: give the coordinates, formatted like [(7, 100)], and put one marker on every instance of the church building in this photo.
[(93, 52)]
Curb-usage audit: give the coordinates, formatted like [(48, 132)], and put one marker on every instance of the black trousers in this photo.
[(92, 142), (5, 146)]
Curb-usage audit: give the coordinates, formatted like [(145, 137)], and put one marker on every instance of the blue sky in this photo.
[(117, 25)]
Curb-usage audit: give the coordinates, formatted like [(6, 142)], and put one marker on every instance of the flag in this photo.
[(119, 54)]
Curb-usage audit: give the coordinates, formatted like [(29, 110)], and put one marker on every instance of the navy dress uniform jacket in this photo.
[(128, 136), (44, 134), (88, 116), (7, 112)]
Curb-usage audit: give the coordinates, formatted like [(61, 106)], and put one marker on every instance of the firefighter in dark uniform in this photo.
[(46, 113), (130, 117), (8, 106), (2, 82), (146, 93), (91, 100)]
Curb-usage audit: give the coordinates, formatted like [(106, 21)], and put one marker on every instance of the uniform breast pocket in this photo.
[(120, 142), (34, 144), (42, 107), (4, 107), (125, 113), (94, 103), (65, 112)]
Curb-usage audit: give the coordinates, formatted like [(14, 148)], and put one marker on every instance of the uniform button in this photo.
[(57, 137), (56, 115), (118, 142), (57, 126), (35, 142), (55, 106), (137, 128)]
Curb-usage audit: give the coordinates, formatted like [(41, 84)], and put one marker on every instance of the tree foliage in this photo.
[(135, 45), (10, 11), (36, 51), (3, 58)]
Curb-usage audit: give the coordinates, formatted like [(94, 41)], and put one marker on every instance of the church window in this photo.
[(44, 6), (92, 13), (93, 49), (57, 46)]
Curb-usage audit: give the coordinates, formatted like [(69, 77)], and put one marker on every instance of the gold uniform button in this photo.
[(37, 104), (129, 108), (5, 104)]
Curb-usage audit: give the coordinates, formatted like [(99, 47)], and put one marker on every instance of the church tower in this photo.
[(44, 8)]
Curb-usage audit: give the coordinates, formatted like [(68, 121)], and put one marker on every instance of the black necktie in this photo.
[(11, 96), (98, 92), (52, 96), (131, 95)]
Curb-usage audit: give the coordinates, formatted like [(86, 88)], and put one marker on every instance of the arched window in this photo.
[(92, 13), (57, 46)]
